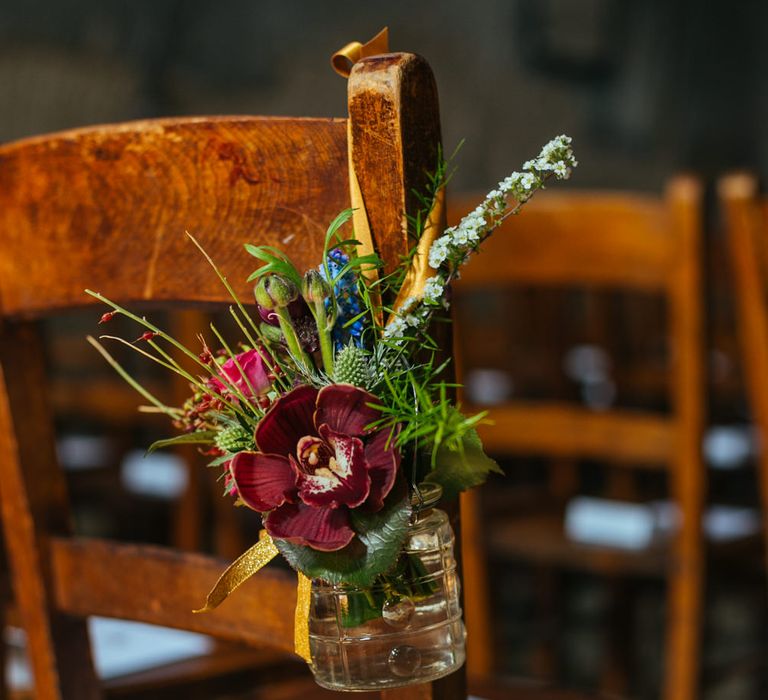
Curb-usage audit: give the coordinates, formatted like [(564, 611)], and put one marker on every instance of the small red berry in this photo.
[(107, 316), (146, 335)]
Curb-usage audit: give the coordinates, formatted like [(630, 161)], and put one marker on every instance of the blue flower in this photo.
[(349, 305)]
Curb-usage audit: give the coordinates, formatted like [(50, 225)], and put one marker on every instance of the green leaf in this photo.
[(203, 437), (374, 551), (221, 459), (341, 218), (460, 469), (362, 608)]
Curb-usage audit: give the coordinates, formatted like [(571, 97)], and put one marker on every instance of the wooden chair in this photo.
[(746, 232), (107, 208), (605, 241)]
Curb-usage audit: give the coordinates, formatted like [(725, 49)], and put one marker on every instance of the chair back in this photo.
[(106, 208), (597, 241)]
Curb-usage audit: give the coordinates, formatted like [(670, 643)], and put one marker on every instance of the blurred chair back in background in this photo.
[(745, 215), (615, 242)]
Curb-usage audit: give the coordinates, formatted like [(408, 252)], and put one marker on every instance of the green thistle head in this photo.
[(234, 439), (352, 367)]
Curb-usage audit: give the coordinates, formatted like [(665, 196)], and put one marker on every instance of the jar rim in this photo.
[(425, 495)]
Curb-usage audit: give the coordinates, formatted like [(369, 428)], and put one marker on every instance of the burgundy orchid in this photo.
[(316, 461)]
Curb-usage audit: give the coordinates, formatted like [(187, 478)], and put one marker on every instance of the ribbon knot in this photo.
[(346, 57)]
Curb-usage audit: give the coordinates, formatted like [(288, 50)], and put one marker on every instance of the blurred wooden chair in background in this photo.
[(745, 215), (615, 242), (106, 208)]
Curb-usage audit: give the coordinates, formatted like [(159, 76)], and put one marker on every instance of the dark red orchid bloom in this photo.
[(316, 461)]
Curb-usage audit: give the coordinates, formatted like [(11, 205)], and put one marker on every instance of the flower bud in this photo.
[(275, 292), (314, 288), (271, 333)]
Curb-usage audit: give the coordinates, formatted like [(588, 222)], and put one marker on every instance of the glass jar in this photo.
[(405, 629)]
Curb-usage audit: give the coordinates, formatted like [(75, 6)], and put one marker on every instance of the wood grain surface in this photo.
[(108, 207)]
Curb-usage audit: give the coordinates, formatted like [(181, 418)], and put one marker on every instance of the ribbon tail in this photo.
[(240, 570), (362, 228), (420, 271), (301, 621)]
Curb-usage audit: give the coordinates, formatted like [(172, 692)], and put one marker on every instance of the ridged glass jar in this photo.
[(407, 629)]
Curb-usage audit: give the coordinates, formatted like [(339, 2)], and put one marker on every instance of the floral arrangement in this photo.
[(334, 407)]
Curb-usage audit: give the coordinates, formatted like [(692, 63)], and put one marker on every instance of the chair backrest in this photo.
[(614, 242), (106, 208), (746, 229), (603, 241)]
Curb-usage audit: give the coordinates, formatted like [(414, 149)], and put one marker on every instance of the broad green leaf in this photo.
[(461, 469), (203, 437), (374, 551)]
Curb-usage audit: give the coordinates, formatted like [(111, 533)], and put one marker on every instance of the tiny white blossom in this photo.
[(395, 328), (510, 182), (473, 235), (438, 252), (412, 320), (460, 237), (527, 181), (433, 289)]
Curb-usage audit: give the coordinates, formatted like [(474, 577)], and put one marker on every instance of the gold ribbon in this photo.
[(346, 57), (245, 566), (420, 271), (301, 619), (240, 570), (360, 222), (342, 62)]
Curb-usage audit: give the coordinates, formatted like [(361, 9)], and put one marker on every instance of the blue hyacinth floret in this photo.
[(348, 303)]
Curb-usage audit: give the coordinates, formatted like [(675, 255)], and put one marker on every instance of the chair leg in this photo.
[(684, 609)]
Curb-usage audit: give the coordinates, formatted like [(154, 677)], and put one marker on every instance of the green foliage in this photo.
[(203, 437), (409, 579), (460, 466), (375, 550)]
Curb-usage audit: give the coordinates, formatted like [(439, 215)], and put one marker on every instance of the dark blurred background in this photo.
[(645, 88)]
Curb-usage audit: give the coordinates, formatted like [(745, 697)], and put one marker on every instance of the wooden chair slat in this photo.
[(109, 206), (593, 240), (632, 438), (173, 584), (539, 538)]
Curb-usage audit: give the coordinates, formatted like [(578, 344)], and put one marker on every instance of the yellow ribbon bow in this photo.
[(346, 57)]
